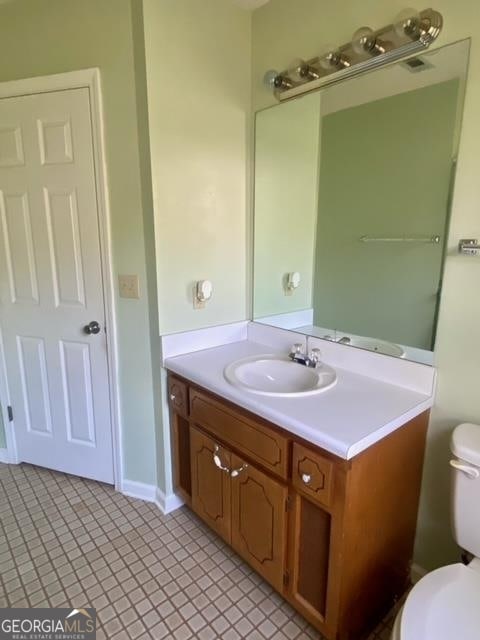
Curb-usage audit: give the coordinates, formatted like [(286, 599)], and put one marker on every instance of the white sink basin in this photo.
[(379, 346), (272, 375)]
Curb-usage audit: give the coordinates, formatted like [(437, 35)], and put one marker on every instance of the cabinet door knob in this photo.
[(172, 397), (236, 472), (306, 477), (217, 461)]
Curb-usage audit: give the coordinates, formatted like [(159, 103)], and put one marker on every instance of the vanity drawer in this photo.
[(257, 441), (312, 474), (178, 396)]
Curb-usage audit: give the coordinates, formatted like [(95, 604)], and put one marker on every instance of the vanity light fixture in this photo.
[(410, 32), (301, 70)]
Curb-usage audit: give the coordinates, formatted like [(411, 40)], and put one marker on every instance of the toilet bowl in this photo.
[(445, 604)]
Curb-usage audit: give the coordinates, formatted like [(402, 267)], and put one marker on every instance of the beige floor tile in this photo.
[(67, 541)]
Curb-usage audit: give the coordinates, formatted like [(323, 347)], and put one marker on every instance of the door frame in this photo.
[(89, 79)]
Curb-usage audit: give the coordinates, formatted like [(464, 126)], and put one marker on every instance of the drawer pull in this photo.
[(217, 461), (235, 472), (306, 477)]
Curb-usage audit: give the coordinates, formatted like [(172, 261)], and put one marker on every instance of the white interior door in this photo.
[(51, 284)]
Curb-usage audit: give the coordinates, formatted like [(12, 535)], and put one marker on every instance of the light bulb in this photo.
[(365, 41), (274, 80), (362, 40), (269, 78), (333, 59), (325, 59), (407, 23), (301, 71)]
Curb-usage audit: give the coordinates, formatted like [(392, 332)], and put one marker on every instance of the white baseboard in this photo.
[(139, 490), (4, 457), (151, 493), (169, 503), (417, 572)]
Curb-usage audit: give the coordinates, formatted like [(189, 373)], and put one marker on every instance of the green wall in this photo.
[(40, 37), (286, 188), (198, 80), (197, 69), (385, 171), (283, 31)]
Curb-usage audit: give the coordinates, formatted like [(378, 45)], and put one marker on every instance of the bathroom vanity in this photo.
[(332, 532)]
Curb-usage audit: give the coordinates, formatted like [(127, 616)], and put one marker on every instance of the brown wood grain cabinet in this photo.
[(334, 537), (259, 522), (211, 492)]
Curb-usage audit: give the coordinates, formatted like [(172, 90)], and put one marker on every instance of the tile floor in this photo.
[(66, 541)]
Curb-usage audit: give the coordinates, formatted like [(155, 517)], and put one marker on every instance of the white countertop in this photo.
[(344, 420)]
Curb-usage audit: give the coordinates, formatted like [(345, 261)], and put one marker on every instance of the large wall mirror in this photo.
[(353, 187)]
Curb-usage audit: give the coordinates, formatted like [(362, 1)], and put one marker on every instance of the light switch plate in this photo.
[(128, 286)]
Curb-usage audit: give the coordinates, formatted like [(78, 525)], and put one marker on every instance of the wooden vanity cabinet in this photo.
[(334, 537), (211, 490), (259, 521), (180, 438), (242, 504)]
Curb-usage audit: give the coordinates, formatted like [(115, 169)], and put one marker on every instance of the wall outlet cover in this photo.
[(128, 286)]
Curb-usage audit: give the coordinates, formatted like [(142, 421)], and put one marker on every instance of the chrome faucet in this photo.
[(299, 356)]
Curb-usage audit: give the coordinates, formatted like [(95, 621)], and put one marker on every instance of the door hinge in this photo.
[(10, 413), (286, 579)]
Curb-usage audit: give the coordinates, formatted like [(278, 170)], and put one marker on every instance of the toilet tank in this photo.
[(465, 463)]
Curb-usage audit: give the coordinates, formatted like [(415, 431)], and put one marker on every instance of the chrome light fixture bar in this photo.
[(410, 33)]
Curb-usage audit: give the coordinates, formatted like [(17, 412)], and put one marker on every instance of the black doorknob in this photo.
[(92, 327)]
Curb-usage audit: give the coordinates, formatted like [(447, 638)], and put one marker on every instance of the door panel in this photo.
[(259, 521), (210, 484), (78, 392), (51, 284), (309, 544), (18, 246), (11, 147), (33, 372), (64, 247)]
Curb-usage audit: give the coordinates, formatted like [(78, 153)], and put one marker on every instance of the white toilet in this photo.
[(445, 604)]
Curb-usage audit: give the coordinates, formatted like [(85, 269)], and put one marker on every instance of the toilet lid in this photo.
[(443, 605)]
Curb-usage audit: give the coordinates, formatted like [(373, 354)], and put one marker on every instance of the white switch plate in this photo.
[(128, 286)]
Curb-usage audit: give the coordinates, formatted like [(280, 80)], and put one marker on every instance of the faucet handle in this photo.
[(296, 353), (315, 355)]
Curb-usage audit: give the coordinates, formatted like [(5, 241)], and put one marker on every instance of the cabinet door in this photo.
[(309, 555), (210, 483), (259, 521), (181, 459)]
